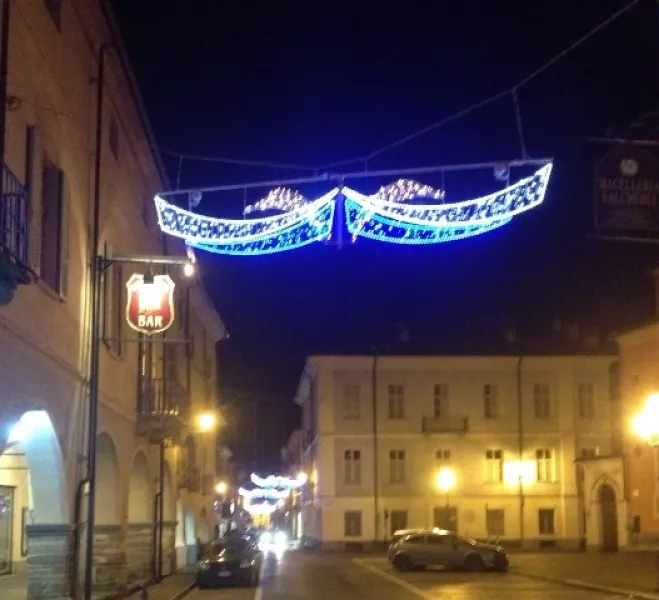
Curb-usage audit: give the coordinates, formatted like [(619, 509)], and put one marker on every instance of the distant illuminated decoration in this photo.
[(274, 481), (389, 215)]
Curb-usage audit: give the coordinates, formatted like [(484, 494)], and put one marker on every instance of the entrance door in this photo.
[(609, 518), (446, 517), (398, 520), (6, 520)]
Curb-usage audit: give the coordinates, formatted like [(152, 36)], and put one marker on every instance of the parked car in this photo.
[(399, 533), (232, 559), (441, 548)]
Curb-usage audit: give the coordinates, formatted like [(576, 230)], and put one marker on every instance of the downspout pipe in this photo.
[(376, 485), (520, 447), (95, 326)]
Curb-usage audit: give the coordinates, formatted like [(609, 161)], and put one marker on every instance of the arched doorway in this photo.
[(608, 518), (34, 504), (139, 543), (109, 565)]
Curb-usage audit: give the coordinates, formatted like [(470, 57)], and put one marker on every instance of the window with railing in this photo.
[(14, 218)]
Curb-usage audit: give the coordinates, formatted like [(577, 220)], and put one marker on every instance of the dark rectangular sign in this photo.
[(626, 191)]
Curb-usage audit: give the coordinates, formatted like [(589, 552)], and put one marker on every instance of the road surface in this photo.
[(302, 576)]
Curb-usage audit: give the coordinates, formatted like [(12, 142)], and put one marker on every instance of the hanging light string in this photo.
[(510, 91)]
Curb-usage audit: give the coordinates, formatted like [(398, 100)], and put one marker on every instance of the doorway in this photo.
[(609, 518), (6, 529)]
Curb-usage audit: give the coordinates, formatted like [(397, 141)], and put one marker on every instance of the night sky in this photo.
[(317, 82)]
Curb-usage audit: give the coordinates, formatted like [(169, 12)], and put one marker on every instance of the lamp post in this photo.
[(445, 482)]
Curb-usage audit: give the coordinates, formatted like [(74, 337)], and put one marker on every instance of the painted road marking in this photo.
[(393, 579)]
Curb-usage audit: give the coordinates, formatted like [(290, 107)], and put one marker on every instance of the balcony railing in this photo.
[(444, 424), (162, 406), (14, 218)]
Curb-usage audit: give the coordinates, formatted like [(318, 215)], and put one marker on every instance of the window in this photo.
[(586, 400), (351, 402), (589, 452), (545, 464), (396, 401), (442, 456), (54, 229), (546, 525), (54, 8), (491, 401), (493, 465), (352, 523), (113, 137), (352, 467), (398, 520), (541, 400), (397, 466), (112, 304), (495, 521), (440, 400)]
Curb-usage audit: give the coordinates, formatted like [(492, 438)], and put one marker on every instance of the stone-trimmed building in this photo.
[(516, 431), (150, 394)]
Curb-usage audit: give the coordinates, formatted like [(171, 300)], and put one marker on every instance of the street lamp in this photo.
[(445, 482), (221, 488), (207, 422), (646, 423)]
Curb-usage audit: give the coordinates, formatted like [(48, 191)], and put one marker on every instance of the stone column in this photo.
[(109, 559), (48, 562), (139, 552)]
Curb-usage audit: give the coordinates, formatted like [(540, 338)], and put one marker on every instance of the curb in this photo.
[(584, 585), (184, 592)]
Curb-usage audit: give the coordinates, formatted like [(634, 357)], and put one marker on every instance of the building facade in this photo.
[(639, 349), (156, 458), (489, 446)]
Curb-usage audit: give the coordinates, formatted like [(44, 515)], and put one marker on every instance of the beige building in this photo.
[(151, 394), (485, 445)]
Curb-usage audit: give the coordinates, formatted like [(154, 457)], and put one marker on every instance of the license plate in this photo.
[(224, 574)]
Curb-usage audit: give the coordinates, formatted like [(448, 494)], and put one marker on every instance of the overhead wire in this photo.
[(511, 91)]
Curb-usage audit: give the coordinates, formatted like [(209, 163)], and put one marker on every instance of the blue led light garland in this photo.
[(300, 234), (199, 229), (383, 216)]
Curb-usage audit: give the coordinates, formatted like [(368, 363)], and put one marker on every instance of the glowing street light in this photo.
[(646, 423), (188, 269), (445, 482), (207, 421), (221, 488), (302, 478)]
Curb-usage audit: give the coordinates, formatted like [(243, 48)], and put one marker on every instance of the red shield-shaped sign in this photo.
[(150, 306)]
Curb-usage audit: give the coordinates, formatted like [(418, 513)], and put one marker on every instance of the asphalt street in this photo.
[(301, 576)]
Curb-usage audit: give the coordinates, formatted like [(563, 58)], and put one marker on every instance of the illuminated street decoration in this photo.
[(150, 303), (392, 221), (274, 481), (267, 494), (281, 199), (316, 227), (202, 230), (406, 189), (385, 216)]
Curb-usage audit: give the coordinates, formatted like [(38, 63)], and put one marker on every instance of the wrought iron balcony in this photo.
[(448, 424), (14, 218), (162, 407)]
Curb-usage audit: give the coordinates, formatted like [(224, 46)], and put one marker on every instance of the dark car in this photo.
[(235, 560)]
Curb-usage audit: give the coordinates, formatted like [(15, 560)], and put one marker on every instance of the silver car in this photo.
[(440, 548)]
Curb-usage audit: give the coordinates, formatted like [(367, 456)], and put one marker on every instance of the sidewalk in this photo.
[(626, 573), (174, 587)]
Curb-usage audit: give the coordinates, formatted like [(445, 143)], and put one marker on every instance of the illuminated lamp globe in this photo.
[(207, 421), (188, 269), (445, 480)]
